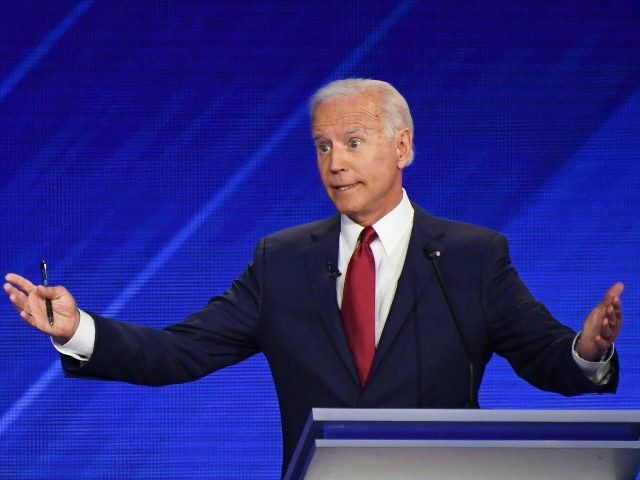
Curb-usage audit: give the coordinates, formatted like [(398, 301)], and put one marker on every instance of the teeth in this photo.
[(346, 187)]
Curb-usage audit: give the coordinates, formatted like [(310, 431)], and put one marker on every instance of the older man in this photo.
[(347, 310)]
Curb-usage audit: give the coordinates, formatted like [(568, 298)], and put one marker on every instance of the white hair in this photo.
[(396, 110)]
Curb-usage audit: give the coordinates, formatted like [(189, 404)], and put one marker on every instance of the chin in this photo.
[(346, 208)]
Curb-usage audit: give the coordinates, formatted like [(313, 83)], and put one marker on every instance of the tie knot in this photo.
[(368, 235)]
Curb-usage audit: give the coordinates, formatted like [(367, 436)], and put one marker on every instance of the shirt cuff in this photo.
[(80, 346), (597, 372)]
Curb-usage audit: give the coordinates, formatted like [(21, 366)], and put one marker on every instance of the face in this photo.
[(360, 167)]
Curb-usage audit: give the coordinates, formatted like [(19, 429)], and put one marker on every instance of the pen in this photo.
[(45, 282)]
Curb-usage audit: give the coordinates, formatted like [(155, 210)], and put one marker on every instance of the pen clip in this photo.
[(43, 273)]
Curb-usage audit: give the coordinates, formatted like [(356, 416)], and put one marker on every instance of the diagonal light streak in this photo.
[(211, 206), (31, 60)]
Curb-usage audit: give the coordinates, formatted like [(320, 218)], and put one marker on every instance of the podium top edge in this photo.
[(464, 415)]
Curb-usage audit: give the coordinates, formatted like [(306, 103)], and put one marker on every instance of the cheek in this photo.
[(324, 174), (384, 165), (321, 165)]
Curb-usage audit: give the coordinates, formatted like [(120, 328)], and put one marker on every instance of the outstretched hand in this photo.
[(602, 325), (29, 301)]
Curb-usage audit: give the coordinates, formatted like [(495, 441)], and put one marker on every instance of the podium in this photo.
[(468, 444)]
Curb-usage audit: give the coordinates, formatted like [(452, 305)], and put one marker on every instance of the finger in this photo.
[(19, 282), (613, 315), (615, 304), (613, 293), (22, 306), (17, 297), (613, 330), (607, 333)]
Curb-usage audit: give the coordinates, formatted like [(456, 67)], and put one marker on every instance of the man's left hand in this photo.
[(602, 326)]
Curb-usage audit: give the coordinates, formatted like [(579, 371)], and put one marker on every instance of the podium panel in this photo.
[(426, 460), (463, 444)]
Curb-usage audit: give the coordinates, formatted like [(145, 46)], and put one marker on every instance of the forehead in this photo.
[(363, 110)]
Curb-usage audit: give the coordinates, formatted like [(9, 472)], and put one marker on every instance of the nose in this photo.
[(338, 160)]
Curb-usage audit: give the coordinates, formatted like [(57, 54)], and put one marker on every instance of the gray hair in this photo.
[(396, 110)]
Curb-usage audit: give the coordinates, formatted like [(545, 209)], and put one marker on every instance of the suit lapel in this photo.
[(322, 249), (416, 274)]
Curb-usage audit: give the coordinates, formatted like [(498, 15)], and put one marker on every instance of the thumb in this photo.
[(47, 292), (65, 311), (52, 293), (64, 302)]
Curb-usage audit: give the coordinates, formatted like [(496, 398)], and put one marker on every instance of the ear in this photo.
[(403, 147)]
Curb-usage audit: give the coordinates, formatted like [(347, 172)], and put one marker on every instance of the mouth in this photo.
[(344, 188)]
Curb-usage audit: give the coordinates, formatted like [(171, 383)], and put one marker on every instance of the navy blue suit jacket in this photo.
[(285, 306)]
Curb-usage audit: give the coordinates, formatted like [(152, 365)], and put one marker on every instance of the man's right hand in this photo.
[(29, 301)]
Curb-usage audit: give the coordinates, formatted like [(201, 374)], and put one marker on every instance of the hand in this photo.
[(602, 325), (29, 301)]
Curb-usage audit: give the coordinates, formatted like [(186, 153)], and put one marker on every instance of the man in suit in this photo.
[(301, 300)]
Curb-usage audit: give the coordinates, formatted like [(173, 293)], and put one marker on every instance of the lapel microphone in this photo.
[(333, 271), (431, 253)]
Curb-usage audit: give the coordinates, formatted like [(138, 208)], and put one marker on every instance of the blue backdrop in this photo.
[(146, 146)]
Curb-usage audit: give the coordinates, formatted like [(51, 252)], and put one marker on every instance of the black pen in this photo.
[(45, 282)]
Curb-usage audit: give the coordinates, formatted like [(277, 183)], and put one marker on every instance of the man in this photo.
[(300, 301)]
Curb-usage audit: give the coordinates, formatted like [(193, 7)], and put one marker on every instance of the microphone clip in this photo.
[(430, 251), (333, 271)]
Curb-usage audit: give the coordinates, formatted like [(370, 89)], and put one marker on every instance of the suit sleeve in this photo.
[(223, 333), (522, 330)]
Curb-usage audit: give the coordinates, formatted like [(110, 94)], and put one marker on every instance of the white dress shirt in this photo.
[(389, 251)]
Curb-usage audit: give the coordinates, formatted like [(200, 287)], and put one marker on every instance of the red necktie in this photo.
[(359, 304)]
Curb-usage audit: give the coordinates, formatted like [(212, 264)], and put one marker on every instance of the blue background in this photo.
[(146, 146)]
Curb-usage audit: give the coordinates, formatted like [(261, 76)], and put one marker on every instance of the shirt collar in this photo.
[(390, 229)]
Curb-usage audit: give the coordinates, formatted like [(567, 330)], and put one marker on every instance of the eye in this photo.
[(324, 148), (354, 143)]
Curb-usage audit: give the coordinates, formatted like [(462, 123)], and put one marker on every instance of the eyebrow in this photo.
[(349, 131)]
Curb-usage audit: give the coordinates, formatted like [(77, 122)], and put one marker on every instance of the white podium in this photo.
[(468, 444)]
